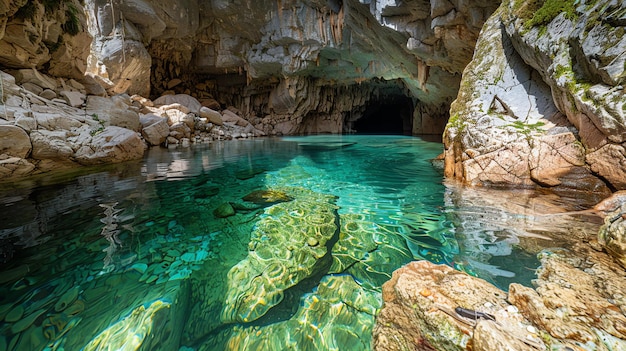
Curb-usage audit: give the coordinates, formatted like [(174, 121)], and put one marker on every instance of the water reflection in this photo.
[(140, 248)]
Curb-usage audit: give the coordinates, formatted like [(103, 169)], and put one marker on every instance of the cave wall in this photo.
[(299, 66), (542, 103)]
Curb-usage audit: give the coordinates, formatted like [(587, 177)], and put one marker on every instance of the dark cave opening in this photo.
[(390, 115)]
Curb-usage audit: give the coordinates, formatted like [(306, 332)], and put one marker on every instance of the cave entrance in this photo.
[(390, 115)]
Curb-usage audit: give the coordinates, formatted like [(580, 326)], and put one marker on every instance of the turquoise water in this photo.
[(257, 244)]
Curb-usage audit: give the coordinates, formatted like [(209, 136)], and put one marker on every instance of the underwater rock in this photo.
[(130, 332), (338, 313), (366, 251), (267, 197), (224, 210), (278, 256), (248, 173)]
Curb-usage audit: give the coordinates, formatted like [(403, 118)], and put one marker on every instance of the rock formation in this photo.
[(577, 305), (548, 108)]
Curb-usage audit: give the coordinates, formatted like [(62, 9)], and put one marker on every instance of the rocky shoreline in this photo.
[(49, 123)]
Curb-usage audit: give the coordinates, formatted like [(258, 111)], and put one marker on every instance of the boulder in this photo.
[(230, 116), (575, 302), (211, 115), (188, 101), (14, 167), (14, 141), (56, 121), (112, 145), (420, 310), (505, 127), (35, 77), (73, 98), (155, 129), (113, 111), (50, 144), (48, 94)]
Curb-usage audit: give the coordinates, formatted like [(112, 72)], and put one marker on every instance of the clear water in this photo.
[(134, 255)]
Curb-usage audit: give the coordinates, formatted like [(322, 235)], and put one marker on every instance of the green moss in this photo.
[(546, 11), (72, 25), (561, 71)]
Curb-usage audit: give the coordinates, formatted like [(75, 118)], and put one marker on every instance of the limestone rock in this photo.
[(576, 299), (183, 99), (505, 127), (56, 121), (155, 129), (50, 145), (35, 77), (113, 144), (73, 98), (340, 312), (419, 305), (14, 167), (224, 210), (113, 111), (576, 302), (211, 115), (14, 141)]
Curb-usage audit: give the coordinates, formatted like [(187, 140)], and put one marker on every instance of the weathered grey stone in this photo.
[(73, 98), (48, 94), (113, 144), (113, 111), (35, 77), (49, 144), (156, 132), (185, 100), (14, 141), (212, 116)]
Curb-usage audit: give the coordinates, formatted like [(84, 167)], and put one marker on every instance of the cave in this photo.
[(390, 115)]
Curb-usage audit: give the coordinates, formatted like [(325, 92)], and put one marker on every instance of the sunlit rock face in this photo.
[(50, 37), (542, 102), (291, 67)]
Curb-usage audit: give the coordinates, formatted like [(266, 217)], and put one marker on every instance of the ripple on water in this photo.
[(385, 205)]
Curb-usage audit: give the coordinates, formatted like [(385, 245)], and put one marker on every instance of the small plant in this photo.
[(100, 128), (549, 10), (72, 25)]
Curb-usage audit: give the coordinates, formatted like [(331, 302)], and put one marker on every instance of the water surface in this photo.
[(258, 244)]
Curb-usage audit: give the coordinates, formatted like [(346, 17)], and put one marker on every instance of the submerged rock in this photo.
[(267, 197), (130, 332), (280, 255), (338, 314), (224, 210)]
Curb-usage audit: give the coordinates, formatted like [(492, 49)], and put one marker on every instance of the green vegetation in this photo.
[(72, 24), (527, 129), (100, 128), (538, 13), (549, 10), (27, 12)]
